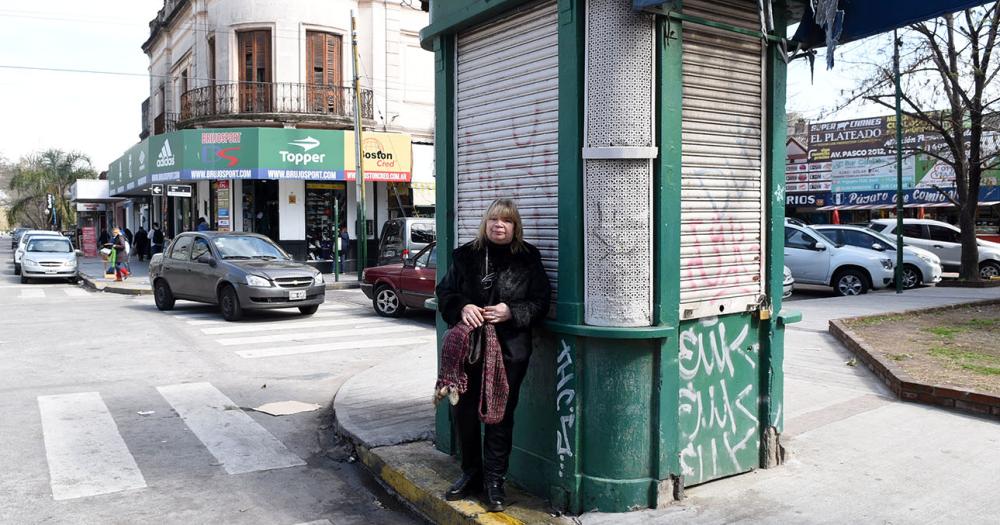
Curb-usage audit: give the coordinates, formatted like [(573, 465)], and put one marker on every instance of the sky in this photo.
[(100, 114)]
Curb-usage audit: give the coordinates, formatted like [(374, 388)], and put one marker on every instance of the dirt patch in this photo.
[(958, 348)]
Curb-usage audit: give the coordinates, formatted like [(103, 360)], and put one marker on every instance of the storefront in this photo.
[(94, 212), (296, 186)]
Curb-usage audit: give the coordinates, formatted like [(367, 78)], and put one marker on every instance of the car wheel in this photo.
[(988, 270), (850, 282), (309, 310), (24, 280), (911, 276), (387, 303), (229, 303), (17, 269), (163, 296)]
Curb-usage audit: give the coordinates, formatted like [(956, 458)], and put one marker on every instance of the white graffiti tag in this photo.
[(565, 394), (715, 365)]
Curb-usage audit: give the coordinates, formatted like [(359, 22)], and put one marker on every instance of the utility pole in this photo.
[(899, 164), (359, 171)]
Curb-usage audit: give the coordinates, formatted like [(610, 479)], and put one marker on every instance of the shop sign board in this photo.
[(225, 153), (222, 206), (807, 200), (91, 206), (89, 241), (166, 152), (178, 190), (301, 154), (388, 157), (916, 196)]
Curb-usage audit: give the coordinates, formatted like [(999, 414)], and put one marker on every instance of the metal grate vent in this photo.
[(619, 75), (618, 193)]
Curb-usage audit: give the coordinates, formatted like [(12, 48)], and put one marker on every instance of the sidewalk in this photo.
[(854, 453), (92, 275)]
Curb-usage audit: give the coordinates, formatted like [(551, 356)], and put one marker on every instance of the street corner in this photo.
[(101, 284), (419, 475)]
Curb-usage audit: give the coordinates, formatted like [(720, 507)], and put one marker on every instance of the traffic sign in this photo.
[(178, 190), (156, 190)]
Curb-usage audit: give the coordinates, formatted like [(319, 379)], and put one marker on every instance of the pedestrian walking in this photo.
[(140, 243), (203, 225), (120, 245), (155, 240), (494, 292)]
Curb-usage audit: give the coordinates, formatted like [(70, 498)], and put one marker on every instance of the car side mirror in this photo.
[(79, 253), (409, 262), (819, 247), (878, 247), (206, 259)]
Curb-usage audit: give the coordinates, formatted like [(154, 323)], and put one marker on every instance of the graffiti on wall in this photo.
[(719, 429), (565, 394)]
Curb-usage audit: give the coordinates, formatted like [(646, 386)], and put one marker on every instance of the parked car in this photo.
[(25, 237), (237, 271), (788, 285), (815, 259), (48, 257), (404, 237), (919, 266), (15, 236), (943, 240), (395, 287)]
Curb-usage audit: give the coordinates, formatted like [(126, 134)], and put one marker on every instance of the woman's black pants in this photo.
[(491, 455)]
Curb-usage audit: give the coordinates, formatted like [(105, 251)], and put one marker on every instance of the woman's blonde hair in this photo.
[(507, 210)]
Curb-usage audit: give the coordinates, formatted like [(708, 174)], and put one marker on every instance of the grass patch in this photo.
[(872, 321), (899, 357), (980, 369), (982, 323), (944, 331)]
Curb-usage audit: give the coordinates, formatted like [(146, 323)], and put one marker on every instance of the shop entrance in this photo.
[(324, 202), (260, 207)]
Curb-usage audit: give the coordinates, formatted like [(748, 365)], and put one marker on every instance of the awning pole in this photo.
[(899, 164)]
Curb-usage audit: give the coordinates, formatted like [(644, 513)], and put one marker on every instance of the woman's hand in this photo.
[(472, 315), (497, 314)]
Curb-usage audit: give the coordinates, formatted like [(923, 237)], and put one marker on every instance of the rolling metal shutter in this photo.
[(507, 122), (722, 206)]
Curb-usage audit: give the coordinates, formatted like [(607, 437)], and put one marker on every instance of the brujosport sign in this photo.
[(260, 153)]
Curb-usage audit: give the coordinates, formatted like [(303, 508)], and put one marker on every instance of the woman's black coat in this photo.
[(523, 286)]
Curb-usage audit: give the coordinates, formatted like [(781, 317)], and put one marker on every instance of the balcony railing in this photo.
[(164, 123), (273, 97)]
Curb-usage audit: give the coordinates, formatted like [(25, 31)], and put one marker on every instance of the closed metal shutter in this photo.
[(722, 206), (507, 123)]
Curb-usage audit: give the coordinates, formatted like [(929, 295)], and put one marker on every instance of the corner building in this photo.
[(249, 121)]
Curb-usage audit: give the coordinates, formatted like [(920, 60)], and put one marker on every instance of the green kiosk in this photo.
[(646, 153)]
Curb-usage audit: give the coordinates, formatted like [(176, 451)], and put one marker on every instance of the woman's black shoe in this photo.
[(495, 497), (466, 485)]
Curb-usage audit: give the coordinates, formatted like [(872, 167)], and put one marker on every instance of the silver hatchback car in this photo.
[(48, 257), (237, 271)]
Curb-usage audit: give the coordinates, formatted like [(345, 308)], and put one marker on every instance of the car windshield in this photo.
[(819, 234), (245, 247), (888, 243), (50, 246)]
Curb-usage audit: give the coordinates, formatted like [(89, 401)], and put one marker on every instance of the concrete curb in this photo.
[(904, 386), (98, 285), (419, 475), (342, 285)]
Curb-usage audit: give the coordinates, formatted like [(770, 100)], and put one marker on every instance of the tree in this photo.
[(35, 177), (947, 69)]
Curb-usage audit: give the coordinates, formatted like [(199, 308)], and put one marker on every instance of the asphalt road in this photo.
[(114, 412)]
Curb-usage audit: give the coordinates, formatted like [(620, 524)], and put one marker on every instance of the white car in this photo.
[(919, 266), (943, 240), (49, 257), (25, 237), (815, 259)]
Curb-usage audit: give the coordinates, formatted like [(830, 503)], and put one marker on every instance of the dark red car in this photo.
[(395, 287)]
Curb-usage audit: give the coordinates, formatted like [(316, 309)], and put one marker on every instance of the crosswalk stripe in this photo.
[(316, 522), (32, 293), (219, 320), (76, 292), (233, 437), (292, 325), (86, 454), (328, 347), (296, 337)]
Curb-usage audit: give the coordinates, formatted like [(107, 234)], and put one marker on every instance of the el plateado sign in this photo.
[(178, 190)]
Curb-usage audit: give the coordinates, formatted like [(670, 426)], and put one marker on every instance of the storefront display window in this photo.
[(323, 201)]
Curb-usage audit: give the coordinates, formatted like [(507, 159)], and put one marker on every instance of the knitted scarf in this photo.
[(452, 380)]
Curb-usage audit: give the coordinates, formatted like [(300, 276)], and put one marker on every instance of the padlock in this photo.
[(765, 314)]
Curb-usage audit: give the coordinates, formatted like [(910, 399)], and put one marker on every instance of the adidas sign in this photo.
[(166, 157)]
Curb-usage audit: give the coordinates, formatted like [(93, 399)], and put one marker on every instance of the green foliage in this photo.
[(944, 331), (35, 177), (976, 362)]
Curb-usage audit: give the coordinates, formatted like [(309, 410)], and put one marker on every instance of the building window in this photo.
[(324, 72), (254, 49)]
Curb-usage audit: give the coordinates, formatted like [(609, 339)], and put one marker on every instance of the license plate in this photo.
[(51, 271), (296, 295)]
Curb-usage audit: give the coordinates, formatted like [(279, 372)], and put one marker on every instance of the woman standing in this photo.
[(497, 278)]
